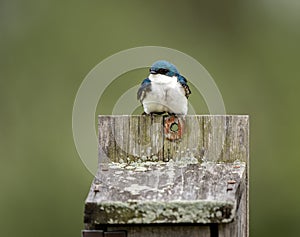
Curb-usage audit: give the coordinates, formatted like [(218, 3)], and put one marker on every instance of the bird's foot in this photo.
[(154, 113), (172, 114)]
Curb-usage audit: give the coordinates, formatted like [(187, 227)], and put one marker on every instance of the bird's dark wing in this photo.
[(183, 81), (145, 87)]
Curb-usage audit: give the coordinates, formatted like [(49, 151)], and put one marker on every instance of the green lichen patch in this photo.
[(165, 212)]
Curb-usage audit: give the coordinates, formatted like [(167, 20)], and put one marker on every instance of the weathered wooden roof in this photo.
[(160, 192)]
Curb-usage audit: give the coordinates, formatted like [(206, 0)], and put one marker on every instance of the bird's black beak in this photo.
[(152, 71)]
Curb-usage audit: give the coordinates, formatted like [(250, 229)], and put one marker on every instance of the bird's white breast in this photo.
[(162, 79), (166, 95)]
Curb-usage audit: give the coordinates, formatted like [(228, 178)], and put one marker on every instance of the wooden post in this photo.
[(171, 176)]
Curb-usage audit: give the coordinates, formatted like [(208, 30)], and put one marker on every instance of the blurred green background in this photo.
[(251, 48)]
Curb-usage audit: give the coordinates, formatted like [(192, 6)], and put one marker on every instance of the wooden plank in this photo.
[(239, 138), (145, 137), (107, 144), (213, 137), (122, 139), (157, 135), (206, 138), (193, 137), (134, 145)]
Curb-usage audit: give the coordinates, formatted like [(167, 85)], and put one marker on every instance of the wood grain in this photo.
[(207, 138)]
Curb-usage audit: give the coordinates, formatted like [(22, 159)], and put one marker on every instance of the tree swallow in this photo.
[(164, 91)]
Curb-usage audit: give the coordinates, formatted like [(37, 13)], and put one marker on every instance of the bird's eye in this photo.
[(163, 71)]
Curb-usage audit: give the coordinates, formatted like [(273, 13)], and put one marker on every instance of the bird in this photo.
[(165, 90)]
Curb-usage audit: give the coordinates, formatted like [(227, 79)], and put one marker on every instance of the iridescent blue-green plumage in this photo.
[(164, 67), (145, 87), (183, 81)]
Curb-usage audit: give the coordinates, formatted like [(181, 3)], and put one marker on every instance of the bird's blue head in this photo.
[(164, 67)]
